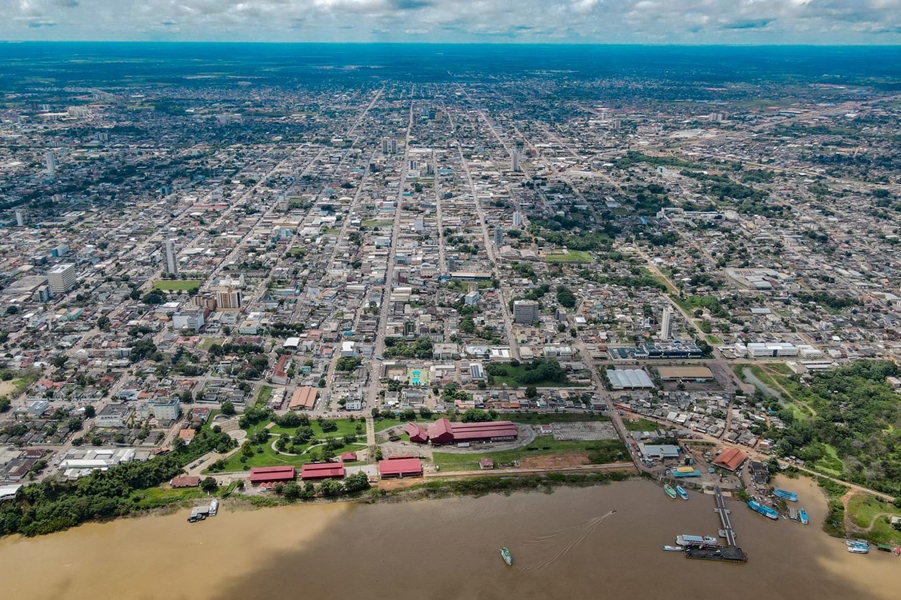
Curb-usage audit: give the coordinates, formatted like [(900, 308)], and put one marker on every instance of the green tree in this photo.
[(90, 412), (531, 391), (227, 408), (209, 485)]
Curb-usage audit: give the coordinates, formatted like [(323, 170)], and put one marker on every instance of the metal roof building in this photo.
[(629, 379), (400, 467), (322, 471), (443, 431), (260, 475)]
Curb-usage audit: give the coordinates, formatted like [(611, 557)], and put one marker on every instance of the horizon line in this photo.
[(478, 43)]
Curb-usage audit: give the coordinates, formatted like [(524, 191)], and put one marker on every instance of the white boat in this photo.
[(673, 548), (214, 507)]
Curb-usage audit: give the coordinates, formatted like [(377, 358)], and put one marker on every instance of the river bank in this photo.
[(447, 549)]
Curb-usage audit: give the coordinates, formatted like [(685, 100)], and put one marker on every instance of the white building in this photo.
[(61, 278), (666, 324), (171, 259)]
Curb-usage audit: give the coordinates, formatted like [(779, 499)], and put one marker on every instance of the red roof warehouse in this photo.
[(400, 467), (272, 474), (322, 471), (443, 431), (417, 433)]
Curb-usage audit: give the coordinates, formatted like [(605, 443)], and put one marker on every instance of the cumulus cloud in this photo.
[(604, 21)]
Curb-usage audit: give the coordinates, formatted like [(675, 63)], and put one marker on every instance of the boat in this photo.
[(897, 550), (673, 548), (669, 491), (682, 493), (766, 511), (858, 549), (804, 519), (857, 543), (884, 547), (695, 540), (214, 507), (789, 496), (505, 554)]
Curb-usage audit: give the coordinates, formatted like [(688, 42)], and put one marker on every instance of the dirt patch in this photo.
[(554, 461), (584, 431), (390, 485)]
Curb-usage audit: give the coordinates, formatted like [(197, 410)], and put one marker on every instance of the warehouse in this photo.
[(400, 467), (270, 475), (303, 398), (322, 471), (417, 433), (629, 379), (730, 459), (443, 431)]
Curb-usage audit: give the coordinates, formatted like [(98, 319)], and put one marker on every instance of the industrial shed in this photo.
[(261, 475), (400, 467), (322, 471)]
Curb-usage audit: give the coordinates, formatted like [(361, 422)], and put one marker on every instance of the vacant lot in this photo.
[(597, 430), (573, 256), (168, 285), (595, 452)]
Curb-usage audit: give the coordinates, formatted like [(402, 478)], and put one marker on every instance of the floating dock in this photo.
[(730, 552)]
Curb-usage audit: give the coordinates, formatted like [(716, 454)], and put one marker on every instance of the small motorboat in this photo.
[(673, 548), (505, 554), (804, 518)]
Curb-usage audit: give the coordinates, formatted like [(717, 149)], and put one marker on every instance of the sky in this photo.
[(825, 22)]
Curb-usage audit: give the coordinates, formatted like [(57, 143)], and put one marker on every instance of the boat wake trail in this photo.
[(588, 527)]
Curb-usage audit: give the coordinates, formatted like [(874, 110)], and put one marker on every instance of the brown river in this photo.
[(448, 549)]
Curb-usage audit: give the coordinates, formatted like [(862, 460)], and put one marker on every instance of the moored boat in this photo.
[(789, 496), (673, 548), (682, 493), (804, 519), (858, 549), (766, 511), (884, 547), (669, 491), (505, 554), (214, 507), (695, 540)]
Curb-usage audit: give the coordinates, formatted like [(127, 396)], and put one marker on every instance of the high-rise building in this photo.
[(51, 163), (517, 219), (394, 145), (385, 146), (228, 299), (20, 217), (171, 259), (61, 278), (498, 236), (515, 161), (525, 312), (666, 324)]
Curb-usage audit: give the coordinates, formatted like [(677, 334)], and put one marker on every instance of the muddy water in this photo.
[(448, 549)]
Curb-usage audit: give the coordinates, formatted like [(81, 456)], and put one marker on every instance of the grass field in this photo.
[(263, 395), (548, 418), (641, 425), (510, 378), (544, 445), (572, 256), (862, 508), (373, 223), (265, 456), (383, 424), (345, 427), (830, 464), (295, 251), (168, 285)]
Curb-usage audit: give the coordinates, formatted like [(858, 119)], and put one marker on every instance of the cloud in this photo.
[(606, 21), (758, 24)]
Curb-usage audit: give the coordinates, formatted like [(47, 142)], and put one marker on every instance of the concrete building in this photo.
[(51, 163), (228, 299), (191, 318), (171, 259), (21, 217), (515, 161), (498, 236), (525, 312), (168, 409), (61, 278), (666, 324), (114, 415)]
